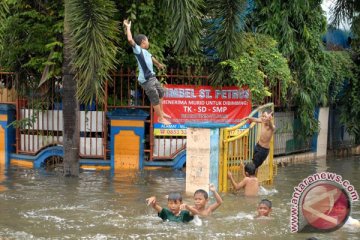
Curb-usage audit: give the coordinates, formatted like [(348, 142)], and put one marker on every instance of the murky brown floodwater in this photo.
[(40, 205)]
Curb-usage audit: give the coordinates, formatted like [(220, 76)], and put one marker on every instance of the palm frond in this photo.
[(226, 19), (4, 9), (343, 10), (93, 34), (185, 23)]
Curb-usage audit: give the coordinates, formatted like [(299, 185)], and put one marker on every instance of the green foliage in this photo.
[(349, 105), (177, 31), (185, 24), (29, 32), (198, 61), (339, 68), (349, 102), (149, 18), (225, 26), (344, 10), (298, 27), (4, 9), (93, 34), (355, 28), (259, 61)]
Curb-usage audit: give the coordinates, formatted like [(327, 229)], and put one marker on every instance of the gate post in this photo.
[(7, 133), (127, 130), (202, 155)]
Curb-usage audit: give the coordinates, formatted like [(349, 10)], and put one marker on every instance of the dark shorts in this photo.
[(260, 155), (153, 90)]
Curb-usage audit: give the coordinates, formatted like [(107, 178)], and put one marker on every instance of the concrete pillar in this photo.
[(127, 128), (7, 134), (202, 155), (322, 138)]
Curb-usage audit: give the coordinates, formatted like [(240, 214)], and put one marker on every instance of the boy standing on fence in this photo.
[(147, 77), (262, 147)]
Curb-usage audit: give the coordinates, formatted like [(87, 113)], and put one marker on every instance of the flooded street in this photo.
[(97, 205)]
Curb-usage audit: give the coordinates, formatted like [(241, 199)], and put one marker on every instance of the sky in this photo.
[(326, 5)]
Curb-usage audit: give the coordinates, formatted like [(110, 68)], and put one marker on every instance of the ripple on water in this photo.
[(100, 206), (7, 233)]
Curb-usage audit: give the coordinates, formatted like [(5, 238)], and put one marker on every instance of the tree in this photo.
[(3, 11), (349, 103), (71, 129), (34, 34), (345, 10), (298, 27), (90, 34), (260, 60), (30, 31)]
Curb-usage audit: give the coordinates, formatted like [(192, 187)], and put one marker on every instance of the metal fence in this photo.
[(287, 139), (338, 137), (238, 149), (125, 92), (39, 112)]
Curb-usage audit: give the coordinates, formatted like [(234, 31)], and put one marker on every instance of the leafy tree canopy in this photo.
[(298, 27), (349, 102), (260, 60), (32, 35)]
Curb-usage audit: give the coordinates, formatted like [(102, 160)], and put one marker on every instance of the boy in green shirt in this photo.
[(176, 211)]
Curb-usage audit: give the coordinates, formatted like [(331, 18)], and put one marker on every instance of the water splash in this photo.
[(197, 221), (267, 192)]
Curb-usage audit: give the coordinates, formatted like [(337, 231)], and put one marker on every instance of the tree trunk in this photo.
[(71, 132)]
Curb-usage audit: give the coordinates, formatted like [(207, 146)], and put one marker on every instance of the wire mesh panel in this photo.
[(338, 136), (284, 131)]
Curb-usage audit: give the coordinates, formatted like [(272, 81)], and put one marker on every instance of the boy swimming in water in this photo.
[(264, 208), (201, 199), (250, 182), (176, 211)]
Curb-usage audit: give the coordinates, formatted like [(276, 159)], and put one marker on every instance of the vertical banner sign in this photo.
[(189, 103)]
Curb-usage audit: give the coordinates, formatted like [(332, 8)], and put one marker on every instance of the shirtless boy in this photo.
[(250, 183), (201, 199), (261, 150)]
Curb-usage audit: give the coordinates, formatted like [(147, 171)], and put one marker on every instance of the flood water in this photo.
[(42, 205)]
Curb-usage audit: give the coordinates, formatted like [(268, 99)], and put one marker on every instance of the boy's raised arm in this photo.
[(243, 168), (237, 186), (151, 201), (219, 200), (252, 119), (271, 125), (192, 210), (130, 39)]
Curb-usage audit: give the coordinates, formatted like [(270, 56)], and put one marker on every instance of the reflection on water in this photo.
[(40, 205), (2, 177)]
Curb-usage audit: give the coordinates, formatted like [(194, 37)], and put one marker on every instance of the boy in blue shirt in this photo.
[(147, 77), (176, 211)]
